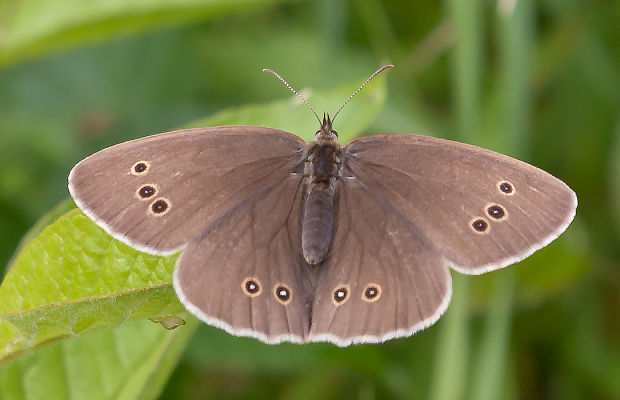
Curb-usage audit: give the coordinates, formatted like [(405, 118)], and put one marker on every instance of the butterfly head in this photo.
[(326, 133)]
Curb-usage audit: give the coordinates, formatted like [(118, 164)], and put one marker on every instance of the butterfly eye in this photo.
[(283, 294), (341, 295), (251, 287), (335, 133), (371, 293)]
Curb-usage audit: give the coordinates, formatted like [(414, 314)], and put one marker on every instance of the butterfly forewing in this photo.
[(480, 209), (381, 279), (158, 192), (246, 274)]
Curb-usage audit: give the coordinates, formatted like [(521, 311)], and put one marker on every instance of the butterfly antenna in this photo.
[(293, 90), (377, 72)]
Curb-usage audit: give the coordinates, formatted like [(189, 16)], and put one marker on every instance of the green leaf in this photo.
[(41, 224), (129, 361), (75, 277), (29, 27)]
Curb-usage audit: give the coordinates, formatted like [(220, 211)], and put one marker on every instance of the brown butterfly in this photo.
[(285, 240)]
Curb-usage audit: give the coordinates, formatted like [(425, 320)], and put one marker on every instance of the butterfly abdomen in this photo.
[(317, 223), (318, 216)]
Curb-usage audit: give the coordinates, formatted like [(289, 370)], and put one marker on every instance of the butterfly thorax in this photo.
[(321, 174)]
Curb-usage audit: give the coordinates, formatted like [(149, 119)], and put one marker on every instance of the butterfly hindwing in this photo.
[(158, 192), (246, 274), (381, 278)]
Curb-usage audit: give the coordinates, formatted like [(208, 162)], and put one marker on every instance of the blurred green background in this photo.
[(537, 80)]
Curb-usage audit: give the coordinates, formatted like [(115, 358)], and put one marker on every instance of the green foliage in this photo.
[(74, 277), (33, 27), (128, 361), (535, 80)]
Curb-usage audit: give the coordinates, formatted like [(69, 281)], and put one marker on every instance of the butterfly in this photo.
[(284, 240)]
